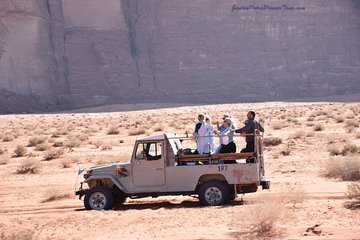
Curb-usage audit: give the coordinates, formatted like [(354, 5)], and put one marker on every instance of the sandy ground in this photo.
[(300, 197)]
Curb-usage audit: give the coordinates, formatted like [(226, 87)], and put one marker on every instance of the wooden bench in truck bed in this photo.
[(215, 157)]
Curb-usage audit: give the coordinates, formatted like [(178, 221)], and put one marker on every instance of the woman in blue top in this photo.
[(226, 136)]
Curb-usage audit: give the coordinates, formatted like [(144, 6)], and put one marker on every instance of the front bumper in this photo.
[(81, 192)]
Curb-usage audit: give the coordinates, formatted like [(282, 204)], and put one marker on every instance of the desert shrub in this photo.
[(66, 163), (357, 135), (20, 151), (29, 165), (296, 135), (7, 137), (266, 217), (3, 160), (350, 129), (113, 130), (310, 134), (286, 152), (277, 126), (58, 144), (309, 124), (53, 154), (121, 141), (97, 143), (55, 195), (2, 151), (353, 191), (310, 119), (347, 169), (82, 137), (352, 123), (73, 143), (19, 235), (106, 147), (158, 128), (33, 141), (272, 141), (334, 151), (318, 127), (349, 149), (339, 119), (59, 132), (136, 131), (42, 147)]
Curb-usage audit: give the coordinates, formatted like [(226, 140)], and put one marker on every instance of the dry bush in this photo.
[(352, 123), (55, 195), (272, 141), (74, 142), (3, 160), (339, 119), (266, 216), (318, 127), (136, 131), (33, 141), (310, 134), (353, 191), (277, 126), (2, 151), (60, 132), (350, 129), (158, 128), (82, 137), (66, 163), (42, 147), (19, 235), (310, 119), (20, 151), (53, 154), (349, 149), (106, 147), (309, 124), (357, 135), (29, 165), (58, 144), (113, 130), (347, 169), (121, 141), (293, 194), (334, 151), (297, 135), (286, 152), (7, 137), (97, 143)]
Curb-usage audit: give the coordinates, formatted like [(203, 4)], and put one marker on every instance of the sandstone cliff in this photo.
[(73, 53)]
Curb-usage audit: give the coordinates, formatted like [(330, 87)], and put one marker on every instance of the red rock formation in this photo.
[(71, 53)]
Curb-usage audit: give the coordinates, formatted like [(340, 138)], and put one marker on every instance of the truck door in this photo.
[(148, 165)]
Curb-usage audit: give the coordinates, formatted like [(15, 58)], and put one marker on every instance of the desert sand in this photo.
[(301, 204)]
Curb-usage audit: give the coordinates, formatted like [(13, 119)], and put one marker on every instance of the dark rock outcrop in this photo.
[(73, 53)]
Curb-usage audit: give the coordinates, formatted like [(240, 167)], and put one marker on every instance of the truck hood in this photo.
[(108, 168)]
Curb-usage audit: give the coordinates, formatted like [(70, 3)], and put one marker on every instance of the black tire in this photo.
[(118, 202), (99, 198), (214, 193)]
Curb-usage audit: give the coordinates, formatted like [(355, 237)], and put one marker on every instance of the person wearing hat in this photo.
[(219, 127), (226, 134), (248, 130)]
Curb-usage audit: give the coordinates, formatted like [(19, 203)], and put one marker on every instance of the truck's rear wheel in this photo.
[(214, 193), (99, 198)]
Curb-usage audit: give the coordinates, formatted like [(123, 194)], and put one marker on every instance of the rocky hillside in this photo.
[(73, 53)]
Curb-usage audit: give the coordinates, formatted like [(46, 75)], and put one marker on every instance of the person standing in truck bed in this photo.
[(249, 129)]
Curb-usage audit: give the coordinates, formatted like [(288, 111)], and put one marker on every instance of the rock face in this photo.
[(73, 53)]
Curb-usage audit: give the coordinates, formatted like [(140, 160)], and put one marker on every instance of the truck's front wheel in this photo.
[(99, 198), (214, 193)]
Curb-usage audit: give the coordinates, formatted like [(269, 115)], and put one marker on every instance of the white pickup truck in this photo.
[(159, 166)]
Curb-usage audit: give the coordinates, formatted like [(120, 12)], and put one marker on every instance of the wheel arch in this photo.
[(104, 180)]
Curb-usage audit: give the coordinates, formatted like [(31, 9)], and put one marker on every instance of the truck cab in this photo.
[(159, 166)]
